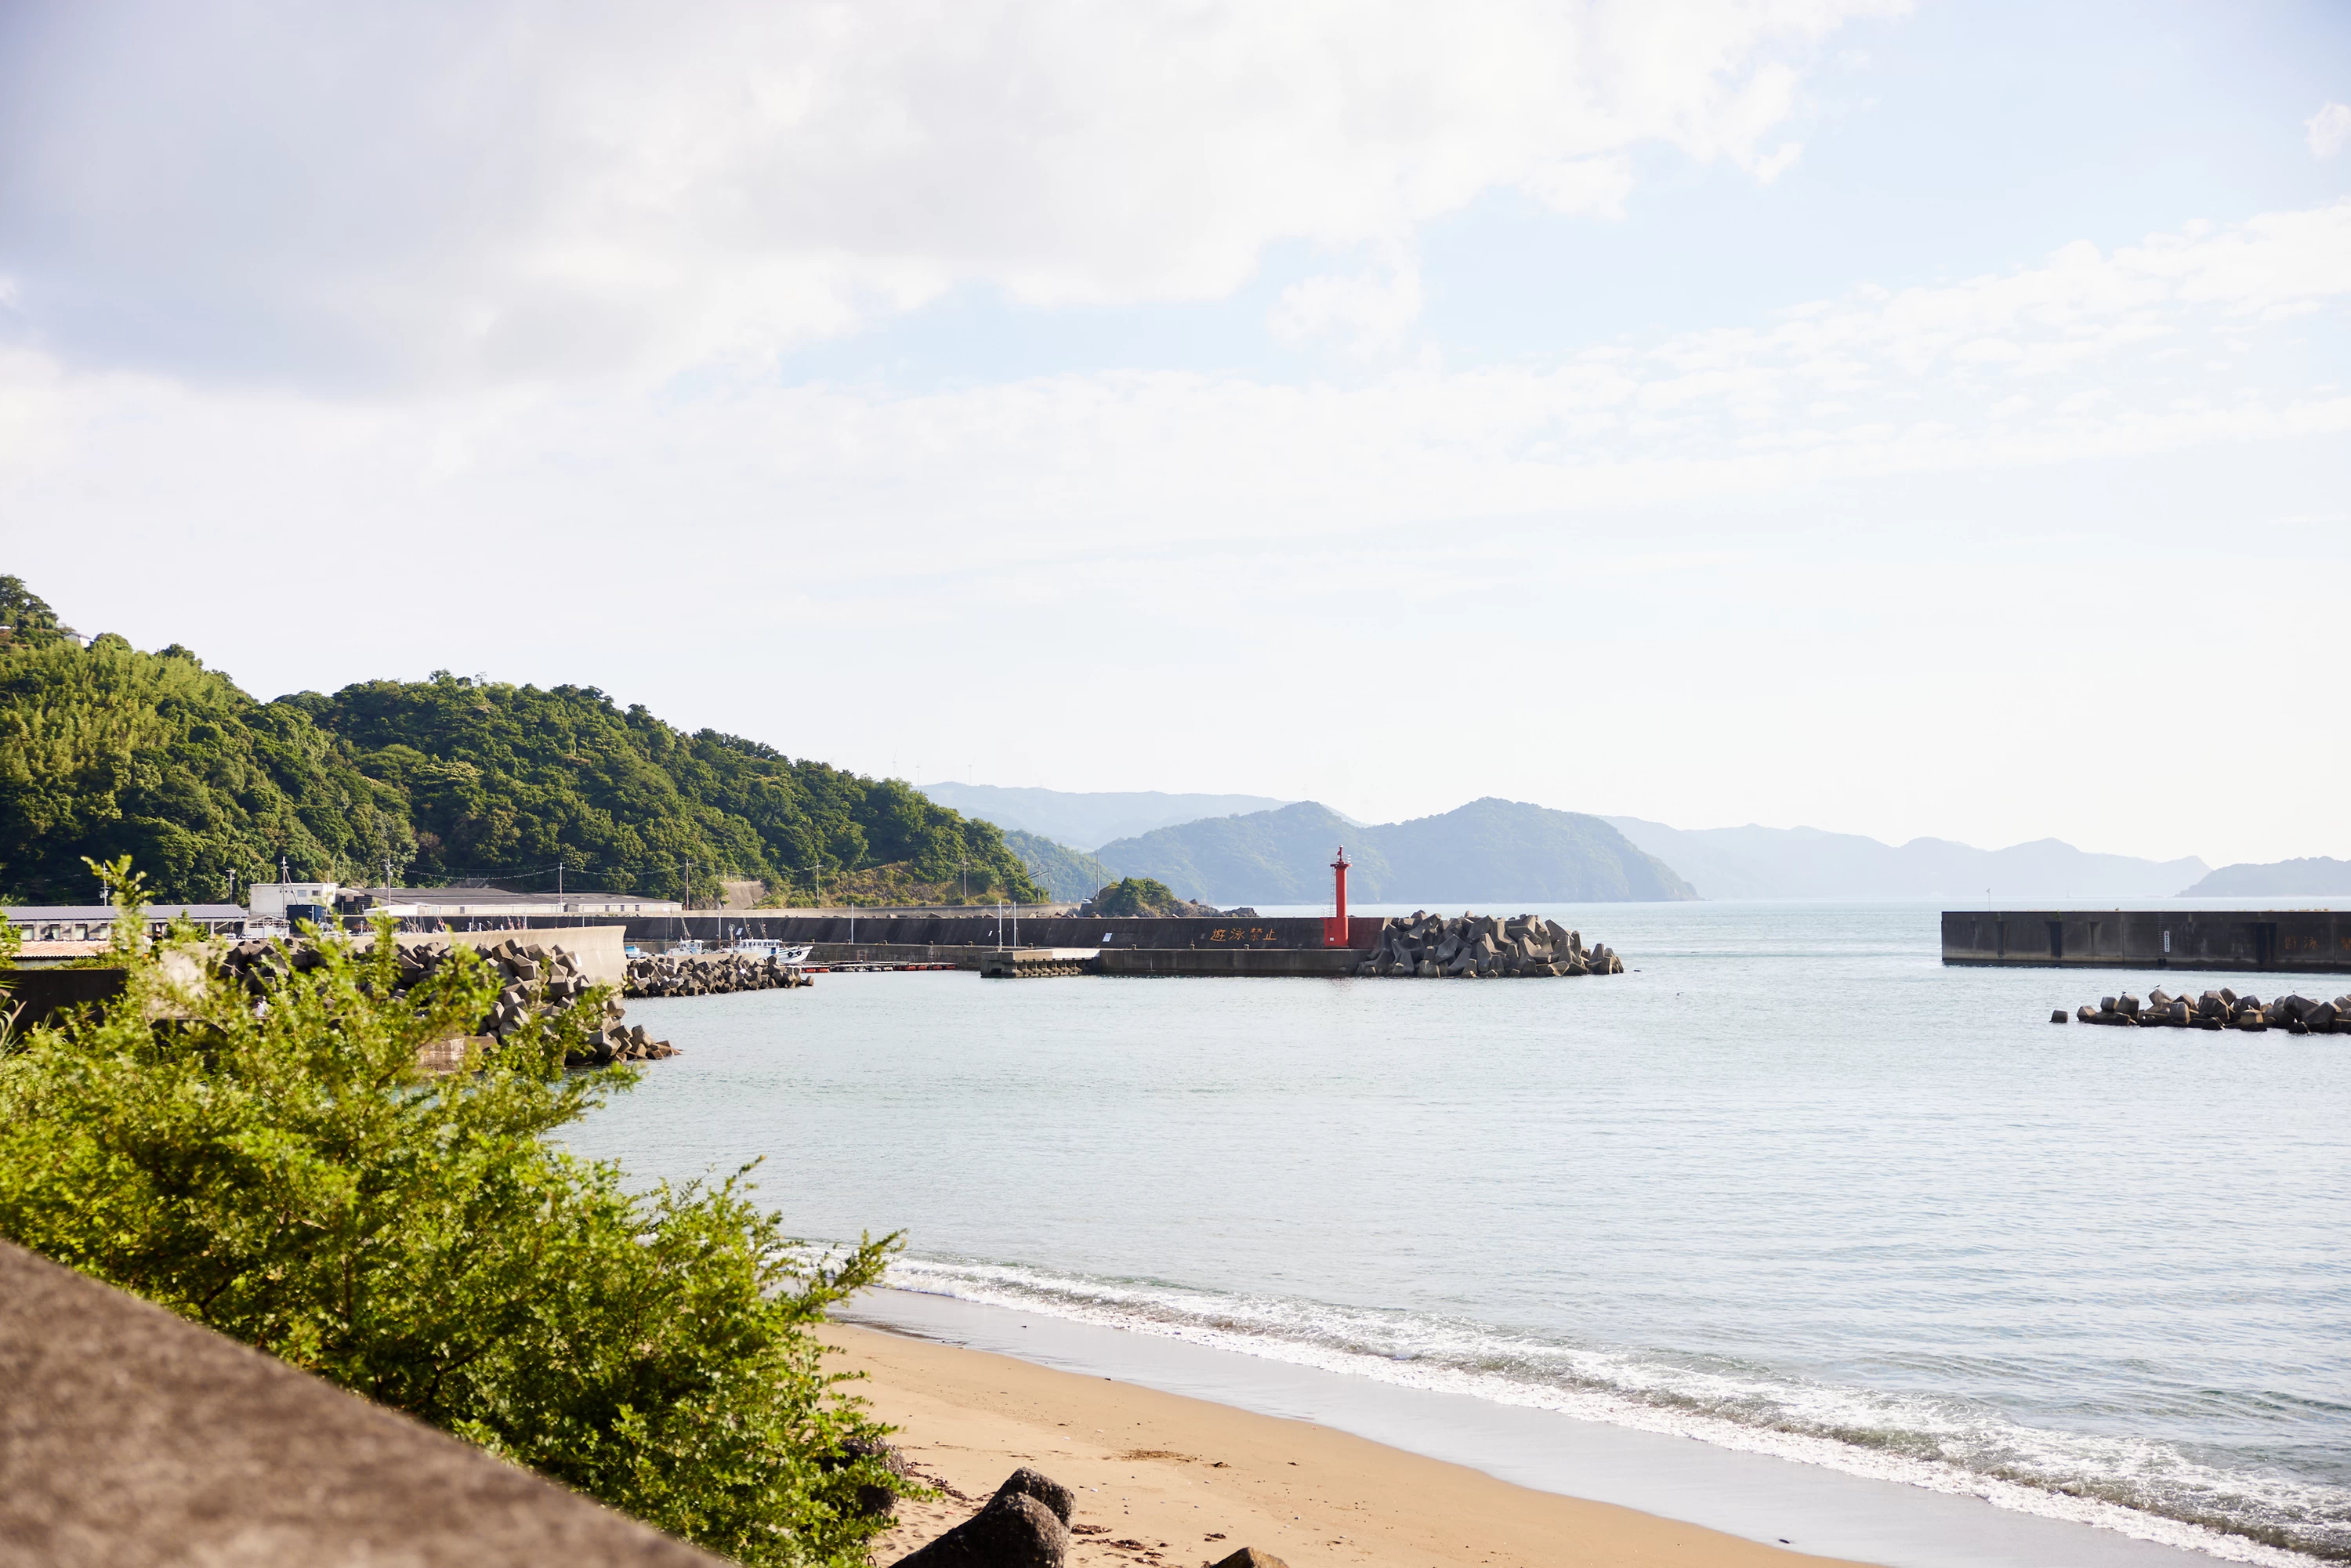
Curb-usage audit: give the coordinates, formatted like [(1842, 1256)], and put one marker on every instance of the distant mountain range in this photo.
[(1805, 863), (1248, 849), (2279, 878), (1088, 820), (1485, 852)]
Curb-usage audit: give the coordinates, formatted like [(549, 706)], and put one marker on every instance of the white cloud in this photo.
[(1778, 161), (1367, 313), (2089, 352), (1854, 517), (2328, 129), (467, 193)]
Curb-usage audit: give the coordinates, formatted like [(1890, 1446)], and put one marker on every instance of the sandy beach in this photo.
[(1165, 1479)]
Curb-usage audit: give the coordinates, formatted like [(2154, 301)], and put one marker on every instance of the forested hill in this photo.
[(105, 750), (1063, 872)]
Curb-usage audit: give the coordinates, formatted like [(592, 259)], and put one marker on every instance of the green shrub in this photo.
[(1135, 896), (285, 1175)]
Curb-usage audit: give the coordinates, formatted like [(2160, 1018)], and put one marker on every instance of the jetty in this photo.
[(2311, 941)]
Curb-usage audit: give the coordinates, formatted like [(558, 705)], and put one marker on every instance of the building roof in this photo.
[(26, 914), (485, 899)]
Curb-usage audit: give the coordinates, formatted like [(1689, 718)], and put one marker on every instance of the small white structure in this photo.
[(267, 900)]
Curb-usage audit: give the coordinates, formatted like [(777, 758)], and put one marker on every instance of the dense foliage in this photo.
[(287, 1175), (25, 616), (106, 751), (494, 776), (1064, 873), (1136, 896)]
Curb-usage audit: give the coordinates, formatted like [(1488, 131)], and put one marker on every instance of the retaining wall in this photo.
[(35, 994)]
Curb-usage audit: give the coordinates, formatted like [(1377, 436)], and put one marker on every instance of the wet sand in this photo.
[(1169, 1480)]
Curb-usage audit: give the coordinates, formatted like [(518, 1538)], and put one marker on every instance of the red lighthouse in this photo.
[(1334, 930)]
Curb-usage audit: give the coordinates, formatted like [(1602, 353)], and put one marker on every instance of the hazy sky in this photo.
[(1900, 419)]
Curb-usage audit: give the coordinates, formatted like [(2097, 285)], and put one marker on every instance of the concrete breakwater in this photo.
[(539, 980), (2315, 941), (708, 974), (1482, 946), (975, 929), (2223, 1009)]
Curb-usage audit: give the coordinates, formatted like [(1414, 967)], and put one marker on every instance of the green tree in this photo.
[(1135, 896), (25, 615), (285, 1175)]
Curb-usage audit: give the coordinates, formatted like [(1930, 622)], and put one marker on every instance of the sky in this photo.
[(1909, 420)]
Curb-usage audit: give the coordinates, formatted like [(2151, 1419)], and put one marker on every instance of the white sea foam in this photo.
[(2137, 1487)]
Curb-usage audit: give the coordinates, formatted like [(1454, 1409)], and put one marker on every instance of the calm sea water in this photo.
[(1791, 1186)]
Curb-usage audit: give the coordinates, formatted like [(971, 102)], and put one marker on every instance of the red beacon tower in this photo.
[(1334, 929)]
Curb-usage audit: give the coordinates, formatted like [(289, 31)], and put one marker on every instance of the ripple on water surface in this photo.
[(1792, 1184)]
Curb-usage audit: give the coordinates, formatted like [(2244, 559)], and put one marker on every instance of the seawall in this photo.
[(2313, 941), (989, 930)]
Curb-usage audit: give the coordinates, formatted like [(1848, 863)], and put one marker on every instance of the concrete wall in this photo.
[(1139, 961), (128, 1436), (2286, 941), (35, 994), (986, 930)]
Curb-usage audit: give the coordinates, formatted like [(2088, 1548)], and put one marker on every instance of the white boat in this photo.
[(781, 952)]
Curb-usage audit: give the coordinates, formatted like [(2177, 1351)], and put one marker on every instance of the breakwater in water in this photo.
[(2223, 1009), (708, 974), (2313, 941), (539, 980), (989, 928), (1426, 946)]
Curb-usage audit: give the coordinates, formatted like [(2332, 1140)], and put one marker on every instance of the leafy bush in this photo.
[(285, 1174)]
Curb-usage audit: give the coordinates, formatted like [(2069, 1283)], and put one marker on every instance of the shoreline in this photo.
[(1753, 1500), (1169, 1480)]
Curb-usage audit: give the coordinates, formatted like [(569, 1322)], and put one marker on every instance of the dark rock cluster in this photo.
[(2223, 1009), (1026, 1525), (709, 975), (1483, 946), (538, 980)]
